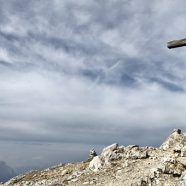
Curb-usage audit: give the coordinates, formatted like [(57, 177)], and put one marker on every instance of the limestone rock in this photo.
[(175, 141), (109, 149), (172, 166), (182, 160), (183, 151), (137, 153), (96, 164), (183, 179)]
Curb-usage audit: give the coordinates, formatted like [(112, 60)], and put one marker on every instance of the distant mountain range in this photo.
[(6, 172)]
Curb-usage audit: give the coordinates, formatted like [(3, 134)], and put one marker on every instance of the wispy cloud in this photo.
[(70, 71)]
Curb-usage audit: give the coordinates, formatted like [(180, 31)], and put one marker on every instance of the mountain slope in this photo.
[(5, 172), (119, 166)]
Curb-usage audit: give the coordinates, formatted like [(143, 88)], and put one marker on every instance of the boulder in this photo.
[(109, 149), (110, 153), (96, 164), (172, 166), (137, 153)]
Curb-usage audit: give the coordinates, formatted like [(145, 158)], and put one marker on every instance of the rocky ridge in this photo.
[(118, 166)]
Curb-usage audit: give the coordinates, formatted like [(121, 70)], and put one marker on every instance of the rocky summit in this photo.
[(118, 166)]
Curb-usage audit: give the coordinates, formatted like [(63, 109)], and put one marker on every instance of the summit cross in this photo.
[(176, 43)]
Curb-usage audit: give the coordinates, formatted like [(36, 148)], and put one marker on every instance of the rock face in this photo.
[(176, 142), (119, 166)]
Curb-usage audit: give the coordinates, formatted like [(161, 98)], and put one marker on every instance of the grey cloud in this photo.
[(88, 73)]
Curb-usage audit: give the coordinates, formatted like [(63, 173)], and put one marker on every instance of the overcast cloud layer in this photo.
[(81, 74)]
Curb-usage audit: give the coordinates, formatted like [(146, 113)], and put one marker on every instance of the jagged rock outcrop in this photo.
[(176, 141), (119, 166)]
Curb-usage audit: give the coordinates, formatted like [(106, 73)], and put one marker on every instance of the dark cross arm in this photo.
[(176, 43)]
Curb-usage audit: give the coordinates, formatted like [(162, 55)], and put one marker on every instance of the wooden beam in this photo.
[(176, 43)]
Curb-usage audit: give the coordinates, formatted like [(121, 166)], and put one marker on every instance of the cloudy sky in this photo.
[(81, 74)]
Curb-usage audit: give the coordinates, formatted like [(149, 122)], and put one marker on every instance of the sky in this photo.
[(77, 75)]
